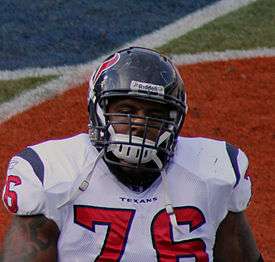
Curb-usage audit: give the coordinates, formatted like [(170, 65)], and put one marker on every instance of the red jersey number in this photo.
[(10, 196), (169, 250), (118, 221)]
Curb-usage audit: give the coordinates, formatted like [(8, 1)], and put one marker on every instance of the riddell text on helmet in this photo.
[(147, 87)]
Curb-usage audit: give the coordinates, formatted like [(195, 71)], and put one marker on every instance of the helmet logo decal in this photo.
[(147, 87), (106, 65)]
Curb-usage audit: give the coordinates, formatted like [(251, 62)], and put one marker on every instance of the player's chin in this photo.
[(127, 173)]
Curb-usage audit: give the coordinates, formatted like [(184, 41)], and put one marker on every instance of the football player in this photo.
[(131, 189)]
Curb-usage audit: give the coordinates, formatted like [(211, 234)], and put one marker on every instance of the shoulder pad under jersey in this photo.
[(40, 167), (217, 162)]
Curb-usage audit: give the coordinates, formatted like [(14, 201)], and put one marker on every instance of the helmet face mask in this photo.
[(145, 77), (137, 140)]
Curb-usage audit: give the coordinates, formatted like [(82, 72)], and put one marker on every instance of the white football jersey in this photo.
[(108, 221)]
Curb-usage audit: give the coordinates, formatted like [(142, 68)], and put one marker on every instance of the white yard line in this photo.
[(221, 56), (43, 92), (72, 75), (80, 75), (152, 40)]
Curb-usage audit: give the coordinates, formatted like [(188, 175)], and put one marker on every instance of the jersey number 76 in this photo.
[(119, 223)]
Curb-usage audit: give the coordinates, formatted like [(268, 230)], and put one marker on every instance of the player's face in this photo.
[(140, 109)]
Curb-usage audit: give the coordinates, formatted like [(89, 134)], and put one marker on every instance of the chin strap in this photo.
[(82, 182), (168, 203)]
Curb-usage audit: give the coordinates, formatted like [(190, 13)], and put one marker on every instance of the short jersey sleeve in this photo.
[(23, 192), (241, 192)]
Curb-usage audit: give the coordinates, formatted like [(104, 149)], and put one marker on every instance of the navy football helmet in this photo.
[(144, 74)]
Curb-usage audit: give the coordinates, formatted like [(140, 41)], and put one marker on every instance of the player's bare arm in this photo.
[(235, 241), (31, 238)]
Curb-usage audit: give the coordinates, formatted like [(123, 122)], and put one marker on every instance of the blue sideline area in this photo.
[(49, 33)]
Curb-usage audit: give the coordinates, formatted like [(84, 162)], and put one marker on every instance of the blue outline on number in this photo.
[(94, 222)]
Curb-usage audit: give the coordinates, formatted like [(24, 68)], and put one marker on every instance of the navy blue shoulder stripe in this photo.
[(33, 158), (233, 154)]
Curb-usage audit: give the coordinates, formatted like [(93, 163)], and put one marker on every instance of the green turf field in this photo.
[(11, 88), (250, 27)]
